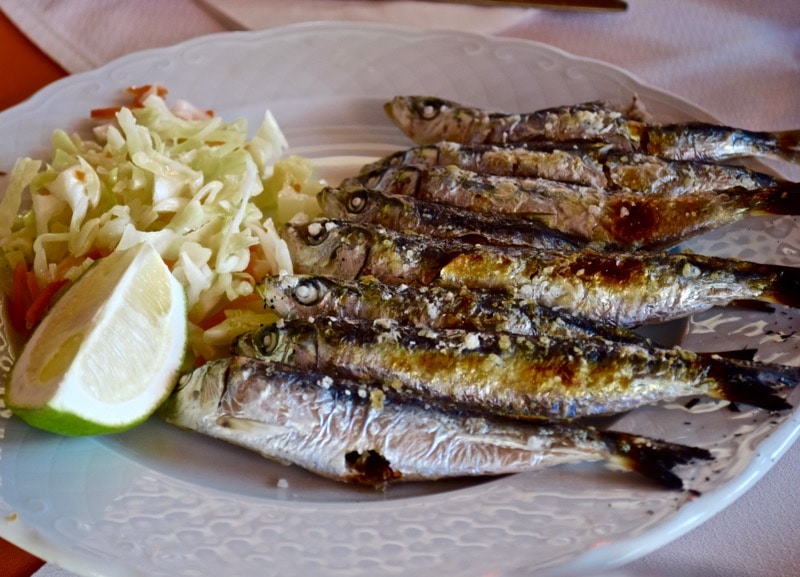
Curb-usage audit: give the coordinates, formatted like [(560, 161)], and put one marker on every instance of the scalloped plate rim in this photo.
[(612, 555)]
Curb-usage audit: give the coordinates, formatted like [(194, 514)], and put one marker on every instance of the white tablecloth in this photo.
[(738, 59)]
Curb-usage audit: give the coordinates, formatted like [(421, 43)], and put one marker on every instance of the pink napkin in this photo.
[(255, 15), (83, 34)]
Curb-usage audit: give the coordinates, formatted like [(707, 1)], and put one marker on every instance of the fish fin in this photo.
[(744, 354), (782, 199), (652, 458), (785, 289), (788, 144), (752, 305), (249, 426), (751, 382)]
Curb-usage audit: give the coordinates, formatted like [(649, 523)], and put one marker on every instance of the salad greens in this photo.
[(206, 195)]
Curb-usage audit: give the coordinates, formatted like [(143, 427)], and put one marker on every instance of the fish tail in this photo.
[(788, 145), (744, 354), (780, 199), (751, 382), (784, 288), (652, 458)]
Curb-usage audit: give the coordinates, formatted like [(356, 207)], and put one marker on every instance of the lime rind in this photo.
[(69, 424)]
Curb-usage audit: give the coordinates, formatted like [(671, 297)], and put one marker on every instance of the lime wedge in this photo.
[(109, 351)]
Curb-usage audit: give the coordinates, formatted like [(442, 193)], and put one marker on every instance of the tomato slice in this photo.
[(140, 94), (19, 299), (41, 303)]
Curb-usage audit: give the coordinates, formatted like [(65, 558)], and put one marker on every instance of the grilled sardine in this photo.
[(512, 375), (622, 288), (616, 220), (428, 120), (310, 296), (332, 427), (580, 163), (580, 166), (439, 220)]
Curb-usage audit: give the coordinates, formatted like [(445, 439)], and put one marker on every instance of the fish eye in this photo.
[(307, 292), (317, 232), (429, 108), (268, 340), (357, 201)]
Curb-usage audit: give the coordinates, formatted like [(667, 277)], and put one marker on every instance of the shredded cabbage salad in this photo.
[(206, 195)]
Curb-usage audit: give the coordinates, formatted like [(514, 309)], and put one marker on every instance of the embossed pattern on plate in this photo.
[(160, 502)]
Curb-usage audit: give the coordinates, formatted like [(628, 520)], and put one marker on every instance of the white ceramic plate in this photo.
[(161, 502)]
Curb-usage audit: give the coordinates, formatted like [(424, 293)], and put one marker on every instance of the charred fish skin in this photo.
[(322, 424), (428, 120), (510, 375), (436, 307), (366, 205), (608, 219), (626, 289), (651, 174)]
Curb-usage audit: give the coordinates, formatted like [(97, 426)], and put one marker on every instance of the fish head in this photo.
[(327, 247), (197, 395), (298, 296), (394, 159), (424, 119), (402, 180), (357, 204), (291, 342)]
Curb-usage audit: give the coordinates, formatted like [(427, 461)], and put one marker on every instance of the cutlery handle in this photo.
[(586, 5)]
